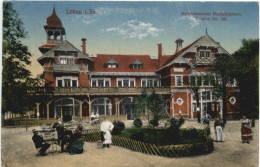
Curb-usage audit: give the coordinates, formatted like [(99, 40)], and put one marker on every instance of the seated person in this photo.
[(76, 143), (67, 135), (39, 143)]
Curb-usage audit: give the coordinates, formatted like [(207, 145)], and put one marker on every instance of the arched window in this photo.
[(102, 106)]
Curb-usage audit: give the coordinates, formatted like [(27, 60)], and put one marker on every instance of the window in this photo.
[(132, 83), (100, 82), (63, 60), (179, 101), (178, 80), (232, 100), (107, 83), (125, 82), (205, 54), (66, 60), (59, 83), (206, 95), (143, 83), (150, 82), (67, 81), (111, 64), (101, 106), (202, 54), (70, 61), (137, 64), (74, 83), (205, 80), (119, 83)]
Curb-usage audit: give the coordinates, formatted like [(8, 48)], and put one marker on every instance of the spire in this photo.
[(206, 31)]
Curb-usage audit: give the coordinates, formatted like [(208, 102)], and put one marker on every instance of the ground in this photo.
[(18, 151)]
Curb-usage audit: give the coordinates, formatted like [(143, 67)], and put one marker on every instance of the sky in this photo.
[(137, 27)]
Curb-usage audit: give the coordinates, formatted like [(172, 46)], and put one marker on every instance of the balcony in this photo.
[(67, 68), (204, 60), (110, 90)]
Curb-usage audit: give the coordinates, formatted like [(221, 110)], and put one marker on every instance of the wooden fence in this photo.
[(93, 135), (28, 122)]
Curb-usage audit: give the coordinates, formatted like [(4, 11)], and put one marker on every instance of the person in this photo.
[(40, 143), (218, 130), (206, 119), (76, 144), (106, 127), (246, 132), (59, 128)]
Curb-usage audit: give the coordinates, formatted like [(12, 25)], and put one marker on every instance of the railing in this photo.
[(204, 60), (109, 90), (66, 68)]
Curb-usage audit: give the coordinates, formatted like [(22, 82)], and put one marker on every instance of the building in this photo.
[(108, 83)]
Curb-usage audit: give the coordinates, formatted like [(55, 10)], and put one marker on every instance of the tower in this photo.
[(54, 31)]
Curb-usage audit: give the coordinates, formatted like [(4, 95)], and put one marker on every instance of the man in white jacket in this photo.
[(106, 128)]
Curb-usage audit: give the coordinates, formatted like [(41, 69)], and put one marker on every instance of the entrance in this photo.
[(127, 106), (68, 107)]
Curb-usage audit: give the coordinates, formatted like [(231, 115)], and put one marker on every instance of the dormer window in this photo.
[(111, 64), (137, 65), (205, 54)]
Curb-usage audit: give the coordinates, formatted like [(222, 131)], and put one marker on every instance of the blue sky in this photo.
[(137, 27)]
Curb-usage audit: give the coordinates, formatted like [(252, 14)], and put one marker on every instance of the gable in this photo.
[(205, 41)]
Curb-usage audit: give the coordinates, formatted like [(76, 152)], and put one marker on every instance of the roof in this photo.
[(53, 20), (205, 40), (124, 62), (48, 46), (112, 61), (64, 46), (137, 62)]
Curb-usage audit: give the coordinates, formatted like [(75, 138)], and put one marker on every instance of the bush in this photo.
[(155, 121), (139, 136), (118, 127), (189, 133), (138, 123)]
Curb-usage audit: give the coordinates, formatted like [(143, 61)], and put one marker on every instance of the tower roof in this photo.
[(53, 21)]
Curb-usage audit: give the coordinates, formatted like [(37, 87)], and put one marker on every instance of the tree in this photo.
[(151, 105), (194, 86), (246, 73), (157, 106), (223, 66), (16, 57)]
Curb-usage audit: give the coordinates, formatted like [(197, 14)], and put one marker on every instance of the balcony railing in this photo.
[(204, 60), (66, 68), (110, 90)]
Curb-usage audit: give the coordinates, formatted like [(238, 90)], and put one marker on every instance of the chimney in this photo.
[(159, 54), (83, 45), (178, 45)]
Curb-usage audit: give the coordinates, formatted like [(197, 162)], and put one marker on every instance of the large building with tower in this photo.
[(107, 84)]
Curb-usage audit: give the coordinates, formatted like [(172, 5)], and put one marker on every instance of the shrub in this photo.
[(189, 133), (139, 136), (138, 123), (118, 127), (155, 121)]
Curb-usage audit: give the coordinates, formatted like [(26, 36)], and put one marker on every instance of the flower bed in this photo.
[(167, 150)]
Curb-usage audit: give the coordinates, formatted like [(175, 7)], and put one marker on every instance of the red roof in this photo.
[(172, 57), (124, 62), (48, 46)]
